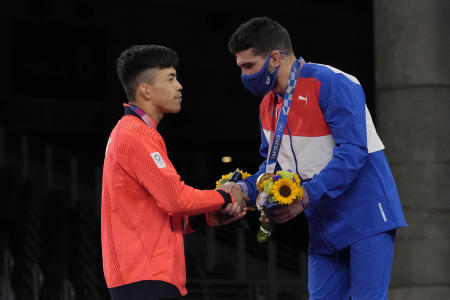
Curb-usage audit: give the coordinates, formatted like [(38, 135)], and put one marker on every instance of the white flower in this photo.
[(262, 198)]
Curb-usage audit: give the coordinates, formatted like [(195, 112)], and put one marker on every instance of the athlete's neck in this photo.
[(283, 74)]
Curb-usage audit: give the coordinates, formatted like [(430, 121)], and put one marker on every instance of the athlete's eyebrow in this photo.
[(246, 65)]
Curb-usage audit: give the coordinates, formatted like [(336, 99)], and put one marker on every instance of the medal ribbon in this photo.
[(272, 155)]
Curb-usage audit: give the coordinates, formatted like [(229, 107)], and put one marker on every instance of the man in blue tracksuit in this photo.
[(314, 121)]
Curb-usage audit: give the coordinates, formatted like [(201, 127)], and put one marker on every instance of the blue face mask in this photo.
[(261, 82)]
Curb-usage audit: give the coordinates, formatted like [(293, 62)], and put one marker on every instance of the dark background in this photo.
[(61, 71), (60, 88)]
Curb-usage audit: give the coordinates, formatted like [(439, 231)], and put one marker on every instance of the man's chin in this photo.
[(175, 110)]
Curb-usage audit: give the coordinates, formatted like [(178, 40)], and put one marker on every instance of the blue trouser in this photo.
[(362, 270)]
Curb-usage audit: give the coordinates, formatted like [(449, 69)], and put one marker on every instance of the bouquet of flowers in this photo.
[(232, 176), (283, 188)]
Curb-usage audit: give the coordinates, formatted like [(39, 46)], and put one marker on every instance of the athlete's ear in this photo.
[(144, 91), (275, 59)]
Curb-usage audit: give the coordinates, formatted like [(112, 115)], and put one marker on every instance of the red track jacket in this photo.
[(143, 203)]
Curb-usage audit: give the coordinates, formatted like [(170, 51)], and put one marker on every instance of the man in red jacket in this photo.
[(146, 207)]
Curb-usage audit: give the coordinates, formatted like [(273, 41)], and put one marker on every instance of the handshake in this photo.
[(280, 198), (233, 211)]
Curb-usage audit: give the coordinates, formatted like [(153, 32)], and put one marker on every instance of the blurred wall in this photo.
[(412, 67)]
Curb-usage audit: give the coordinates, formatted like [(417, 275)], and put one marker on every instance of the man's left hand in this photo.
[(219, 218), (286, 212)]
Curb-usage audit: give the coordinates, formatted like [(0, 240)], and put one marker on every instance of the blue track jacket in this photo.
[(331, 142)]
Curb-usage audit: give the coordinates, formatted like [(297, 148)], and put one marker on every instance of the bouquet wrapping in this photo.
[(232, 176)]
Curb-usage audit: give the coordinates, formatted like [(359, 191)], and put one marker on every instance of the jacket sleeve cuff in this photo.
[(227, 197), (243, 186)]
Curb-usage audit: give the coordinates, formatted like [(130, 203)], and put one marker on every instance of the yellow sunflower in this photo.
[(285, 191), (245, 174), (297, 179), (300, 193), (224, 179)]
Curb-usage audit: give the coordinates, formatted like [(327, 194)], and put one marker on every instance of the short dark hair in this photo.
[(139, 58), (262, 34)]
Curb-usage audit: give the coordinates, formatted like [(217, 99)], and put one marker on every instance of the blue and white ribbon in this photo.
[(274, 149)]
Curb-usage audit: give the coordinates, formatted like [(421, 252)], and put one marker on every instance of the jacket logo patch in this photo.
[(158, 160), (301, 98)]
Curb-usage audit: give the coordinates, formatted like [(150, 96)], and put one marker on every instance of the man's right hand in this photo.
[(239, 204), (229, 186), (233, 211), (240, 198)]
